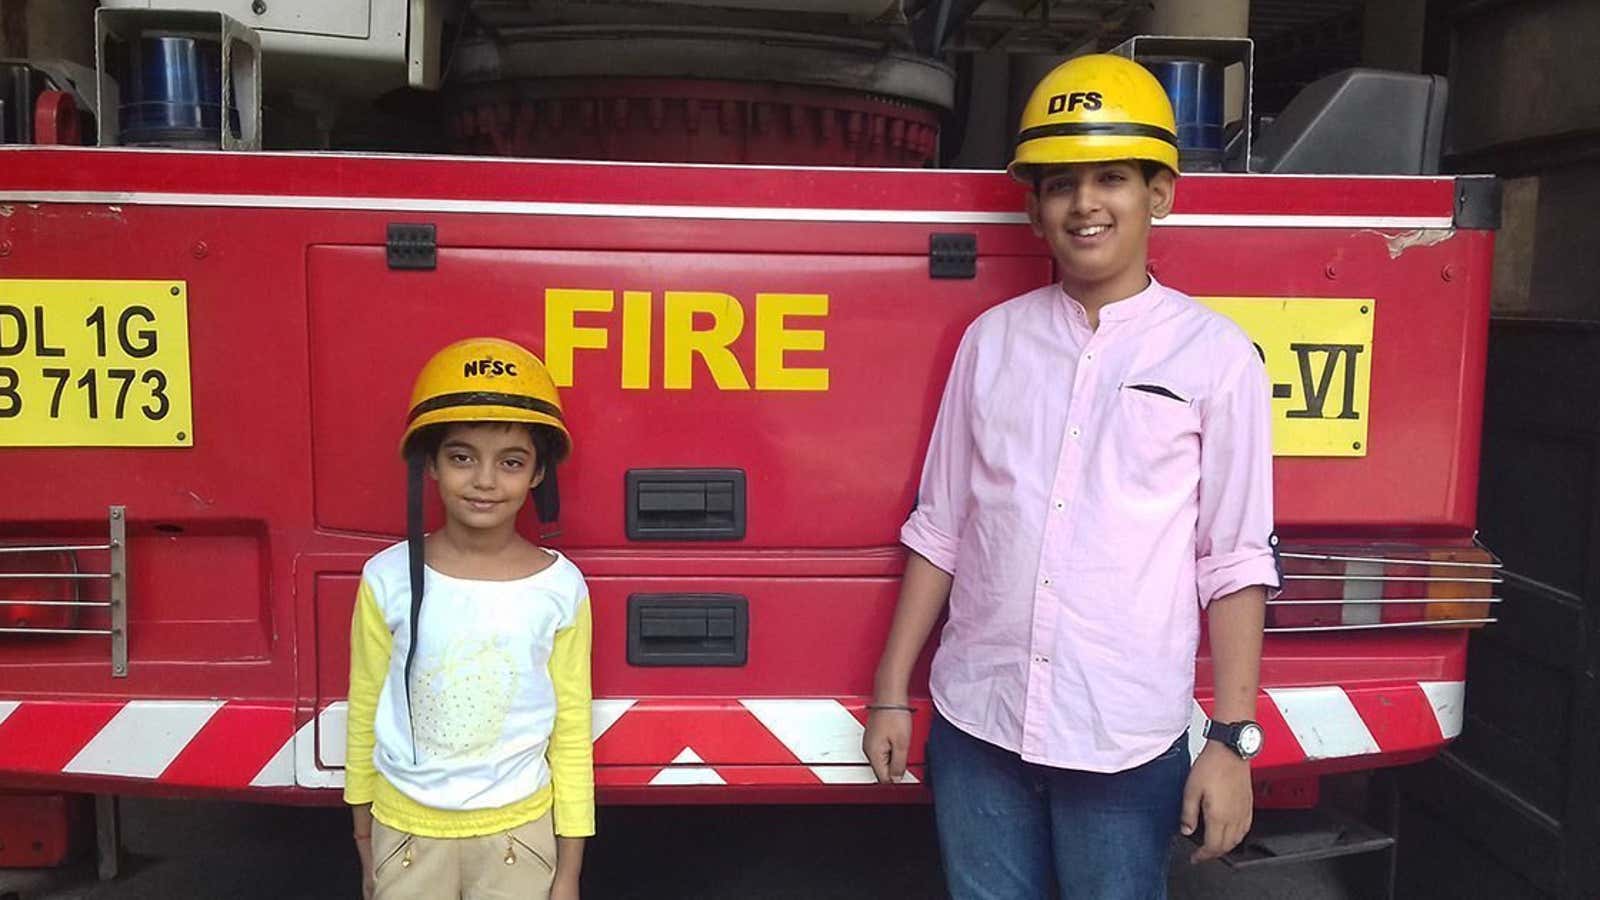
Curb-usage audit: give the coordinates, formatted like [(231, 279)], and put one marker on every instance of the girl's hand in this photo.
[(369, 883), (564, 890)]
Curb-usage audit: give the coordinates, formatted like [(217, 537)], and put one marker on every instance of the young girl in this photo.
[(470, 768)]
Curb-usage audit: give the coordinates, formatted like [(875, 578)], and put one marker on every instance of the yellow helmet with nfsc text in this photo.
[(486, 379)]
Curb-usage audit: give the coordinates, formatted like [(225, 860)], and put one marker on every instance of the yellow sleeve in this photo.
[(370, 643), (571, 753)]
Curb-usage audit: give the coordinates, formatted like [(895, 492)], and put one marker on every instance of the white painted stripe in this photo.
[(672, 211), (279, 770), (143, 738), (1358, 587), (1235, 220), (332, 736), (1449, 702), (815, 731), (605, 713), (683, 771), (1324, 722), (855, 775), (7, 707), (1197, 729), (520, 207), (306, 771)]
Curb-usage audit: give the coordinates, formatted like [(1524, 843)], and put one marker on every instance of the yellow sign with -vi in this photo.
[(1319, 362), (94, 364)]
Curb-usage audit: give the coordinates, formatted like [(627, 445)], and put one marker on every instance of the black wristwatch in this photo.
[(1243, 738)]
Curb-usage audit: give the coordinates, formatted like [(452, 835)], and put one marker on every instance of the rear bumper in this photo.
[(704, 749)]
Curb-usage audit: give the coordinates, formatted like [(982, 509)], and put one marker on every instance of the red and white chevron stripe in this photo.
[(686, 741)]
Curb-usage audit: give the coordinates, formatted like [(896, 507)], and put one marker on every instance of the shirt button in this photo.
[(1089, 356), (1061, 504), (1042, 660), (1045, 581), (1074, 431)]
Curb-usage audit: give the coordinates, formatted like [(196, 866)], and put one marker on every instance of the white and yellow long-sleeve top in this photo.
[(499, 700)]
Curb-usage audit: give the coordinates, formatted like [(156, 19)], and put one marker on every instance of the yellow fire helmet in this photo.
[(486, 380), (1096, 108)]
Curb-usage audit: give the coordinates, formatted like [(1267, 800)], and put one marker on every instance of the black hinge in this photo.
[(1477, 202), (952, 256), (412, 246)]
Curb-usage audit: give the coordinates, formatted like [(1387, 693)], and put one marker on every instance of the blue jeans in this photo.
[(1013, 830)]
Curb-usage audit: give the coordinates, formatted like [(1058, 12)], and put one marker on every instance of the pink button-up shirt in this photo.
[(1091, 490)]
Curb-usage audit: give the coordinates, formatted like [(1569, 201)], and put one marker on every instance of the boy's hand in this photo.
[(1218, 792), (887, 743)]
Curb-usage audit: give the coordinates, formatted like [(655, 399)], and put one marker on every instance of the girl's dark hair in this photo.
[(548, 444)]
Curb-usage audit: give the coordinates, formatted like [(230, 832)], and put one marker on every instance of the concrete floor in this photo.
[(236, 851)]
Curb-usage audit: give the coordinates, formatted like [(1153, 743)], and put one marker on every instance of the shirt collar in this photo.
[(1126, 308)]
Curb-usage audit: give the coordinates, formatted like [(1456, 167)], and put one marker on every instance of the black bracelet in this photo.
[(874, 707)]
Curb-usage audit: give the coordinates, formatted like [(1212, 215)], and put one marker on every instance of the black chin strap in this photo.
[(415, 550), (547, 496)]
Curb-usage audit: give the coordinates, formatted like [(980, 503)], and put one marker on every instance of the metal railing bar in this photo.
[(62, 576), (1320, 557), (1379, 601), (1392, 578), (1376, 625), (99, 631)]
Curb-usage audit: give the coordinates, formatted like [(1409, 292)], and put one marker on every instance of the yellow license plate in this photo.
[(94, 364), (1319, 360)]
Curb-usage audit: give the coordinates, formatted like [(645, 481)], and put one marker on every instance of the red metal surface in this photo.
[(340, 177), (700, 121), (243, 549), (55, 119), (20, 605), (37, 831), (1288, 793)]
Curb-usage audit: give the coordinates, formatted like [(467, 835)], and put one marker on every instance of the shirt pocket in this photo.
[(1156, 433)]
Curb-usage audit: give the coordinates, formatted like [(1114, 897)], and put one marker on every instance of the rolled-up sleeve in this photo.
[(944, 495), (1234, 543)]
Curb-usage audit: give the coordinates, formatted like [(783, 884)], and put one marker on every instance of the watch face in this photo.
[(1250, 740)]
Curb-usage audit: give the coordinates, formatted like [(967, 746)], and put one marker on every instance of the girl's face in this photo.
[(485, 473)]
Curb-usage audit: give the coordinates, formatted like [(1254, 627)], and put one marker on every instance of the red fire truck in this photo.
[(204, 359)]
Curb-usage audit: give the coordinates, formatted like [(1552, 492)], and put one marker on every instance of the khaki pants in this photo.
[(513, 865)]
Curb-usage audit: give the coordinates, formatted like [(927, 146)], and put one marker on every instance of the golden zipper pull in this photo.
[(511, 852), (405, 861)]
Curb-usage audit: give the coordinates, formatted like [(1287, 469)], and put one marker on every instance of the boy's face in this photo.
[(485, 473), (1096, 219)]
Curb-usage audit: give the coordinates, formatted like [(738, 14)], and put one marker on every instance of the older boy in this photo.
[(1099, 473)]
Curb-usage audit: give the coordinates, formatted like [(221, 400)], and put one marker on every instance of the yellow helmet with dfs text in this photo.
[(486, 380), (1096, 108)]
